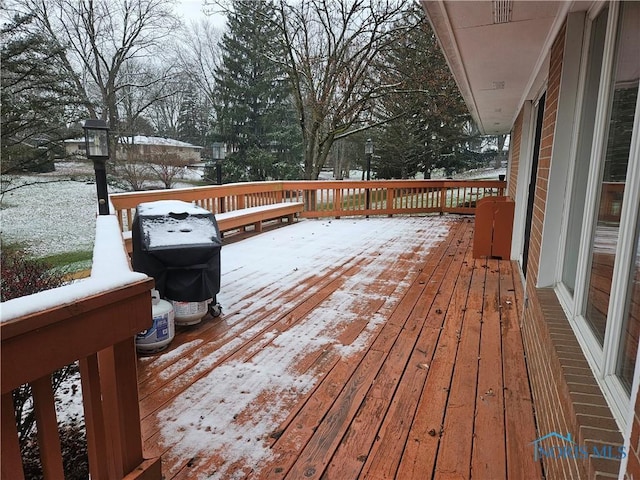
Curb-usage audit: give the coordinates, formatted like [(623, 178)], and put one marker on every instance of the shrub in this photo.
[(23, 276)]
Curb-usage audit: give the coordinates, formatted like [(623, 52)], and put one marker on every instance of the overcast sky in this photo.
[(191, 10)]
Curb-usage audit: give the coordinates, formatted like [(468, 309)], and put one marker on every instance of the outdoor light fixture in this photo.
[(219, 152), (368, 151), (368, 147), (96, 140)]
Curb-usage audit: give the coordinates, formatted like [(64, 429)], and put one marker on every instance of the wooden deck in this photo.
[(403, 360)]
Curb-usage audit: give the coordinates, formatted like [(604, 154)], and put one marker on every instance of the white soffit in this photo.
[(494, 63)]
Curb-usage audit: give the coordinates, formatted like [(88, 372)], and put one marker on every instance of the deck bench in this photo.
[(256, 215), (244, 217)]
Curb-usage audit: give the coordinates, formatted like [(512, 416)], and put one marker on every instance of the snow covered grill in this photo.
[(178, 244)]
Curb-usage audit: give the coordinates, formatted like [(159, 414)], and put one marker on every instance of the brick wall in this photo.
[(514, 161), (544, 160), (633, 465), (567, 398)]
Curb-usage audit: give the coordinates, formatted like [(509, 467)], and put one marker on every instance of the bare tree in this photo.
[(199, 55), (167, 167), (164, 113), (331, 48), (134, 173), (143, 85), (99, 38)]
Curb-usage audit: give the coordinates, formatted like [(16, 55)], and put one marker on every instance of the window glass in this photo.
[(630, 334), (581, 171), (622, 108)]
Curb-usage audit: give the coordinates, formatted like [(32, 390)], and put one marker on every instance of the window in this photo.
[(583, 154), (622, 101), (601, 265), (630, 332)]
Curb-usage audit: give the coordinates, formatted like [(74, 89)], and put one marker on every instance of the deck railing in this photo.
[(93, 323), (326, 198)]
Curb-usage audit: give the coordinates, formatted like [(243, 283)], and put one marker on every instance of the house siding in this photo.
[(566, 395), (143, 152)]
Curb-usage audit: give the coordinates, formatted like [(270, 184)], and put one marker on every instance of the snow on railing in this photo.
[(93, 322)]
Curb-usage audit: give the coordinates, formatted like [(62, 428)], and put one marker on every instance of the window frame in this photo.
[(602, 359)]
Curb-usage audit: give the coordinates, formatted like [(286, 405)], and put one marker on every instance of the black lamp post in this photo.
[(96, 139), (218, 154), (368, 151)]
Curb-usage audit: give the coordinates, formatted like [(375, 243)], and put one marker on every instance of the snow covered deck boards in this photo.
[(355, 349)]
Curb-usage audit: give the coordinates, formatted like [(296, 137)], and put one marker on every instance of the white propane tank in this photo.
[(162, 329), (189, 313)]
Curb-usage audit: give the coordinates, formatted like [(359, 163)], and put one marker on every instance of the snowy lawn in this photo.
[(56, 214), (50, 218)]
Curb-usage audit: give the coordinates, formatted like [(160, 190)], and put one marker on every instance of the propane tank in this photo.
[(189, 313), (162, 330)]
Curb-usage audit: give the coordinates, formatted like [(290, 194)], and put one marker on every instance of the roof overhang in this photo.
[(495, 50)]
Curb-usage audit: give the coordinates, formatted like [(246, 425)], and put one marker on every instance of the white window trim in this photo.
[(524, 174), (590, 345), (561, 156)]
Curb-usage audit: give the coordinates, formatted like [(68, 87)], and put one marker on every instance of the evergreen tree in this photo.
[(38, 101), (429, 115), (192, 118), (254, 116)]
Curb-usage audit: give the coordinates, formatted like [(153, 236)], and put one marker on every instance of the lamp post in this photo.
[(96, 140), (368, 151), (218, 154)]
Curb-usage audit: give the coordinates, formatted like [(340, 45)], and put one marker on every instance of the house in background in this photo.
[(562, 78), (144, 147)]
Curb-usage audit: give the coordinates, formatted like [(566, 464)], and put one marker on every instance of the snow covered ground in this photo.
[(50, 218), (55, 212)]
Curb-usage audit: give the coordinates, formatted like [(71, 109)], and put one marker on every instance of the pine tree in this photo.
[(430, 116), (253, 113), (38, 101), (192, 118)]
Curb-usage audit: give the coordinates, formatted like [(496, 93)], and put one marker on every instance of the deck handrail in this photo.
[(322, 198), (94, 323)]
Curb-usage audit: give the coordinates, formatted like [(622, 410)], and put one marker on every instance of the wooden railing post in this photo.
[(11, 464), (47, 427), (94, 417), (443, 198), (337, 200), (390, 196), (118, 382)]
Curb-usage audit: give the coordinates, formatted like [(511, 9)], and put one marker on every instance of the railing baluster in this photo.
[(47, 427), (94, 417), (11, 465)]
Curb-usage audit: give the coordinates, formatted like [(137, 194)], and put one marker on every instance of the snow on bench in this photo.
[(244, 217), (256, 215)]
